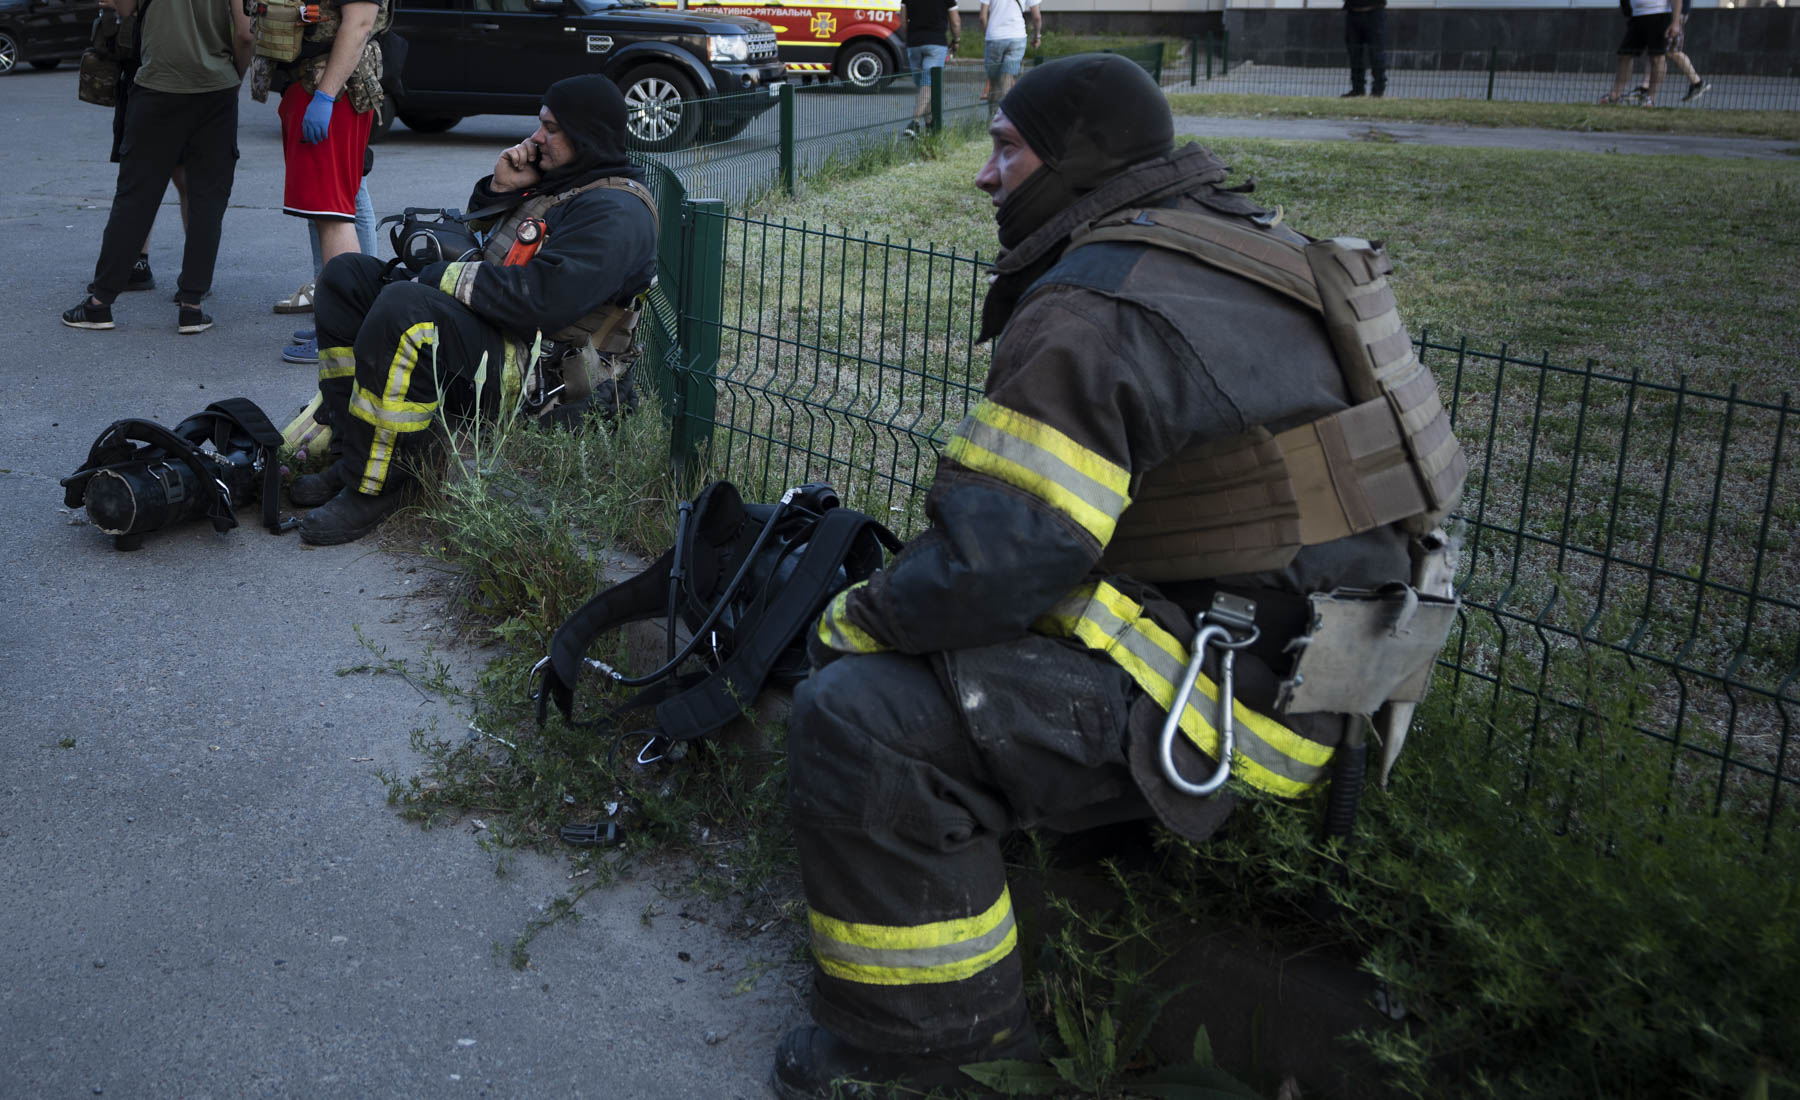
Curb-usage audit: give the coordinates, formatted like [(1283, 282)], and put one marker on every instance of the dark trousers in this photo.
[(904, 774), (1365, 32), (391, 354), (163, 129)]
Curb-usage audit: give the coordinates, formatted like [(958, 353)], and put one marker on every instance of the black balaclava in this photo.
[(1087, 117), (592, 112)]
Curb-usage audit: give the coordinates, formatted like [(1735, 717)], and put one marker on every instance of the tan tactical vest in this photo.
[(609, 328), (1249, 503)]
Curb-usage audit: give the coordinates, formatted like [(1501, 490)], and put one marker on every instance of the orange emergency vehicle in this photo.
[(854, 40)]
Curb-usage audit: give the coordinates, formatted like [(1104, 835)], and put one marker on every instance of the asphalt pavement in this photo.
[(205, 893)]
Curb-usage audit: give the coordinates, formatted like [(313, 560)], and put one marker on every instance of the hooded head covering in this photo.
[(1087, 117), (591, 112)]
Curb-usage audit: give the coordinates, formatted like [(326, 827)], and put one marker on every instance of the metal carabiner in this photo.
[(1231, 612)]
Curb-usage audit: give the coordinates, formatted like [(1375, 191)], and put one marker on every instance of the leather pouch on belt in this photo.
[(1365, 649)]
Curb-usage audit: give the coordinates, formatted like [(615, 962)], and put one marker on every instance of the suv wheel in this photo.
[(864, 66), (661, 109), (9, 53), (429, 124)]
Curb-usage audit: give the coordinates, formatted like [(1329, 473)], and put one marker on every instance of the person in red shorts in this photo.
[(329, 96)]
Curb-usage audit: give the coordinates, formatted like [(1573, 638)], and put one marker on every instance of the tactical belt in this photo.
[(1267, 754)]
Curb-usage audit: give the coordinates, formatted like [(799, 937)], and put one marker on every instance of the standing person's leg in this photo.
[(210, 156), (1378, 52), (146, 158), (1621, 77), (915, 60), (1012, 59), (1657, 35), (365, 221), (1355, 43)]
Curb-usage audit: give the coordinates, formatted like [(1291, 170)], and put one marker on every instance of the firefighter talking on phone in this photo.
[(570, 243)]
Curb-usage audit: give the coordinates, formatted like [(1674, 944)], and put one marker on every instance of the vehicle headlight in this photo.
[(727, 47)]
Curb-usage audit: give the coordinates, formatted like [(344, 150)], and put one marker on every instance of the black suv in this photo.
[(679, 70), (44, 32)]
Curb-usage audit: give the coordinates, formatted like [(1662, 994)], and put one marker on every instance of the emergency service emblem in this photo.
[(824, 25)]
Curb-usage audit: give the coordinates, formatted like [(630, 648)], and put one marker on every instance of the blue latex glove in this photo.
[(316, 123)]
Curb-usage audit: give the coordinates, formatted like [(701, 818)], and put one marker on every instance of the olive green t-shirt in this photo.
[(187, 46)]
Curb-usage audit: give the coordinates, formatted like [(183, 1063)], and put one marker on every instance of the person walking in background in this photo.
[(183, 110), (1365, 33), (933, 28), (1677, 54), (1003, 29), (1649, 27)]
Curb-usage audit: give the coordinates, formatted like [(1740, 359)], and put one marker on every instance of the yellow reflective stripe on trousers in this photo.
[(1044, 462), (336, 363), (920, 954), (837, 631), (389, 412), (1267, 754)]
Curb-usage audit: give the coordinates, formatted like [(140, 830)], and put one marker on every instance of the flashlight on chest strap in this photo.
[(527, 241)]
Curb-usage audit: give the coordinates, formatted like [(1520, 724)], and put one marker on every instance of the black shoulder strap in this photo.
[(629, 601), (255, 423), (723, 696)]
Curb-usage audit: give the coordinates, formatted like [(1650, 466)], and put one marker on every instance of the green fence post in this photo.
[(1209, 54), (702, 313), (1159, 55), (937, 98), (1493, 63), (787, 137), (1225, 51), (1194, 61)]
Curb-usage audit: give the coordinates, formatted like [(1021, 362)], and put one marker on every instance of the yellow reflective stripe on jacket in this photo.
[(1035, 457), (1266, 754), (837, 631), (920, 954), (389, 411), (336, 363)]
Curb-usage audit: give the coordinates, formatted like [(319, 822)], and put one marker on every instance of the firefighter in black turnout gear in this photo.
[(1172, 415), (391, 351)]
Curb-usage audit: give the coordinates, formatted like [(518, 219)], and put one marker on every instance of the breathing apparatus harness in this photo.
[(140, 476)]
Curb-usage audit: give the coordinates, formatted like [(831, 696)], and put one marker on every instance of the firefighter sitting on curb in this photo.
[(389, 351), (1170, 427)]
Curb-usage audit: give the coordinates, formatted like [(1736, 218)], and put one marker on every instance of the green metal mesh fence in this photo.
[(1619, 535)]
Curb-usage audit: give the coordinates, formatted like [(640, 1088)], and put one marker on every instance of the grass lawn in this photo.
[(1670, 265), (1475, 112)]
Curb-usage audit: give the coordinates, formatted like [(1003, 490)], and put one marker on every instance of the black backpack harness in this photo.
[(748, 580)]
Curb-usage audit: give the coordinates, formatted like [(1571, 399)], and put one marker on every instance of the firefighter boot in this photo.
[(350, 515), (312, 490), (813, 1064)]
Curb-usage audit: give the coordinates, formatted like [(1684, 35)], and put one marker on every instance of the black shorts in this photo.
[(1645, 34)]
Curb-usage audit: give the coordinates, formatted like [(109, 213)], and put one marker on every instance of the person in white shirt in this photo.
[(1649, 26), (1003, 28)]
